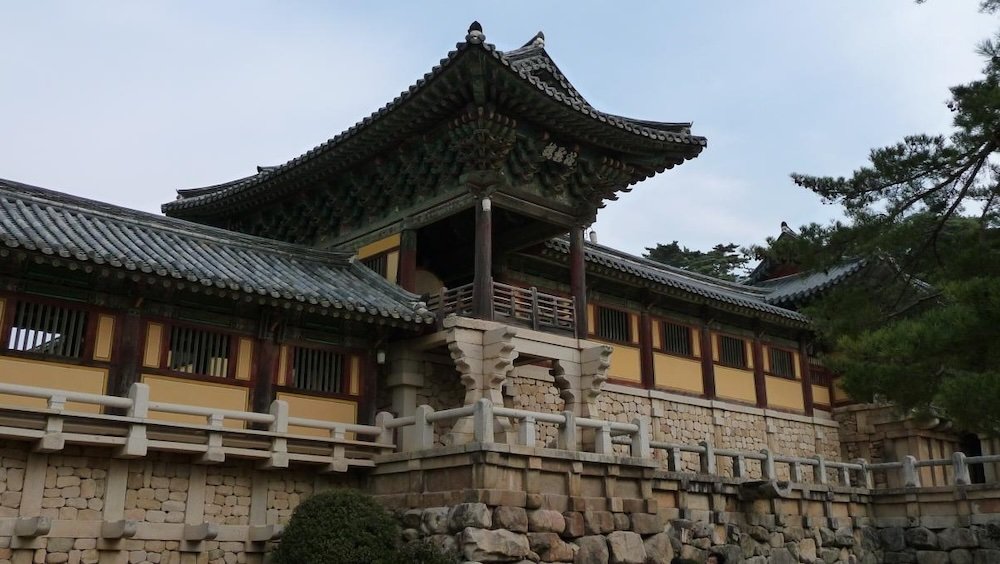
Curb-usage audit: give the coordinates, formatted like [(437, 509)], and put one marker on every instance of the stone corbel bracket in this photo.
[(28, 532), (193, 536)]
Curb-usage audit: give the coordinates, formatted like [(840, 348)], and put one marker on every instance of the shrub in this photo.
[(339, 527), (423, 552)]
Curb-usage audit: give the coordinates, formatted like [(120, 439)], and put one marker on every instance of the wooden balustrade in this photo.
[(520, 306)]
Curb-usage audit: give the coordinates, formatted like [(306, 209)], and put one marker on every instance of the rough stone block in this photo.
[(435, 520), (546, 521), (622, 522), (647, 523), (550, 548), (598, 522), (921, 538), (626, 547), (574, 525), (932, 557), (511, 518), (893, 539), (659, 548), (501, 545), (593, 550), (956, 538), (475, 515)]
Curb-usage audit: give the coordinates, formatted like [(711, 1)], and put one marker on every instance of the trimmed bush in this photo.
[(423, 552), (339, 527)]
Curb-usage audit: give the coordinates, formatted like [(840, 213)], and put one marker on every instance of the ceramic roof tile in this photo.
[(58, 224)]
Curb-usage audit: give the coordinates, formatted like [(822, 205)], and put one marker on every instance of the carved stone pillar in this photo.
[(483, 357), (406, 377)]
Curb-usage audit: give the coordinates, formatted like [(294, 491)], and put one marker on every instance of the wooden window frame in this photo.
[(86, 357), (346, 353), (663, 338), (721, 362), (770, 362), (597, 325), (165, 336), (383, 256)]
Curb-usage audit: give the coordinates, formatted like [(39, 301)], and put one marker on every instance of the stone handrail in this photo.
[(636, 436), (336, 446)]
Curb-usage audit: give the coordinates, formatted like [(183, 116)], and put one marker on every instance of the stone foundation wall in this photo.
[(81, 491), (481, 533)]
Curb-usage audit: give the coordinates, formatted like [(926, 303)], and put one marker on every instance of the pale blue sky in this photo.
[(126, 101)]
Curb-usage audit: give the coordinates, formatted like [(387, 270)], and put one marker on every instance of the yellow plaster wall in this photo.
[(624, 363), (379, 246), (283, 366), (732, 383), (591, 318), (839, 394), (821, 395), (678, 373), (192, 392), (784, 393), (634, 319), (324, 409), (46, 374), (105, 336), (392, 267), (657, 334), (154, 335), (244, 357)]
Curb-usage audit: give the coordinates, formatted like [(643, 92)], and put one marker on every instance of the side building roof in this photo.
[(793, 289), (746, 299), (71, 229)]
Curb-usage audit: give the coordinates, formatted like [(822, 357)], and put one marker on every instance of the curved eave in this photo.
[(395, 120), (236, 294)]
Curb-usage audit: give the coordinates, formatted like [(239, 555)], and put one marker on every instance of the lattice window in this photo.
[(197, 351), (614, 325), (318, 370), (47, 329), (782, 362), (677, 339), (378, 263), (732, 351)]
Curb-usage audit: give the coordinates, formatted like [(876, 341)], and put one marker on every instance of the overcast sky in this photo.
[(126, 101)]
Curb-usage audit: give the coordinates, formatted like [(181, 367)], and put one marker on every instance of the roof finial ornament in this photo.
[(475, 35), (539, 39)]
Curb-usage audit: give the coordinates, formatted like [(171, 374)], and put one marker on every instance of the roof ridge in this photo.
[(141, 218)]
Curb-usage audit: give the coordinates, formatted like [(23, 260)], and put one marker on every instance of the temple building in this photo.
[(412, 307)]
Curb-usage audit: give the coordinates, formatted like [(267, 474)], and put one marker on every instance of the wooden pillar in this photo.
[(264, 372), (804, 370), (125, 358), (646, 350), (408, 260), (368, 387), (578, 279), (707, 364), (759, 380), (482, 283)]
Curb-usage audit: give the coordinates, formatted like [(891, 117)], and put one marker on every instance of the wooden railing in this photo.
[(522, 306)]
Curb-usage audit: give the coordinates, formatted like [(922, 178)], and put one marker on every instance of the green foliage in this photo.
[(926, 209), (348, 527), (723, 261)]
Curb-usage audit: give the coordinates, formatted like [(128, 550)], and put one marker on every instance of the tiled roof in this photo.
[(795, 288), (731, 293), (520, 61), (68, 228)]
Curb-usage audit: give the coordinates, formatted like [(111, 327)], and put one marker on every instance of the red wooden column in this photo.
[(759, 380), (807, 388), (646, 367), (482, 282), (126, 354), (408, 260), (578, 279), (707, 364)]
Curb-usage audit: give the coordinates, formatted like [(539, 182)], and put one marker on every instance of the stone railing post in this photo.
[(386, 437), (423, 430), (53, 439), (739, 466), (796, 469), (821, 477), (910, 475), (602, 440), (865, 474), (567, 432), (279, 427), (674, 461), (767, 465), (960, 466), (135, 442), (482, 421), (214, 454), (707, 458), (640, 440), (526, 432)]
